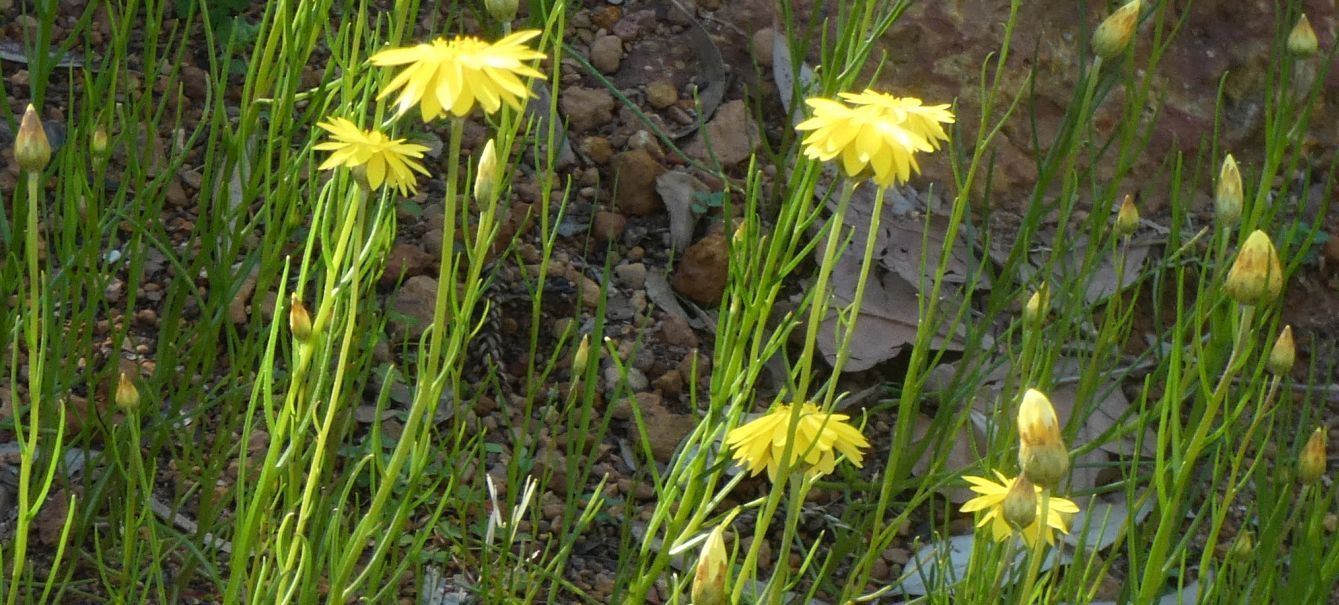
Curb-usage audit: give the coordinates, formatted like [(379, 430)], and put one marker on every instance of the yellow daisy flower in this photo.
[(992, 498), (877, 136), (760, 444), (383, 159), (450, 76)]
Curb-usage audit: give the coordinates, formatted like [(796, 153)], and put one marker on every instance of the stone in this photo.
[(674, 330), (586, 108), (632, 275), (412, 306), (635, 174), (608, 226), (661, 94), (702, 272), (606, 52), (666, 429), (732, 135), (405, 260), (598, 149), (762, 42)]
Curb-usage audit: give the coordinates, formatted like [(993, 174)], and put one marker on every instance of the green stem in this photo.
[(818, 302), (28, 444), (1038, 549)]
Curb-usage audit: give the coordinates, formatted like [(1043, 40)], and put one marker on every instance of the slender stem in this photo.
[(1038, 548), (818, 303)]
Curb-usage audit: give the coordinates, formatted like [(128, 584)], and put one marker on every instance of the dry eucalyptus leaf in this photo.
[(677, 188), (887, 321)]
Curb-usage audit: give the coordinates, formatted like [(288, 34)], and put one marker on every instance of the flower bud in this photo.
[(1041, 454), (582, 356), (1242, 547), (1256, 277), (1116, 31), (502, 10), (97, 142), (299, 319), (1311, 464), (1038, 305), (1020, 504), (1127, 219), (127, 396), (713, 568), (1302, 40), (1227, 199), (485, 176), (31, 148), (1283, 355)]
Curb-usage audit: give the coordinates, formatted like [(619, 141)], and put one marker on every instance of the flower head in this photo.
[(1127, 218), (127, 396), (450, 76), (485, 175), (1256, 276), (1302, 40), (761, 444), (1038, 306), (31, 148), (299, 319), (712, 571), (1041, 453), (876, 135), (383, 159), (1113, 35), (1311, 464), (992, 500), (1283, 355), (1227, 199)]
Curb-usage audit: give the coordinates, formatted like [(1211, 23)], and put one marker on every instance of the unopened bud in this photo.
[(582, 356), (1283, 355), (502, 10), (97, 142), (1302, 40), (711, 573), (1311, 464), (1256, 277), (299, 319), (127, 396), (1115, 32), (1041, 453), (485, 176), (1227, 199), (1127, 219), (31, 148), (1020, 504), (1038, 305), (1242, 547)]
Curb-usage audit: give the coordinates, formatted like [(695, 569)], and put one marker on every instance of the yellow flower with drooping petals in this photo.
[(819, 436), (876, 136), (992, 500), (380, 158), (451, 76)]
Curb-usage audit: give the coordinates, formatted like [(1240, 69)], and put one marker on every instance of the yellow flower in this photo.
[(760, 444), (450, 76), (992, 500), (876, 136), (383, 159)]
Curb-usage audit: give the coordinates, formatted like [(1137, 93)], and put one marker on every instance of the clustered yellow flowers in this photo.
[(443, 77), (818, 437), (1015, 505), (874, 135)]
